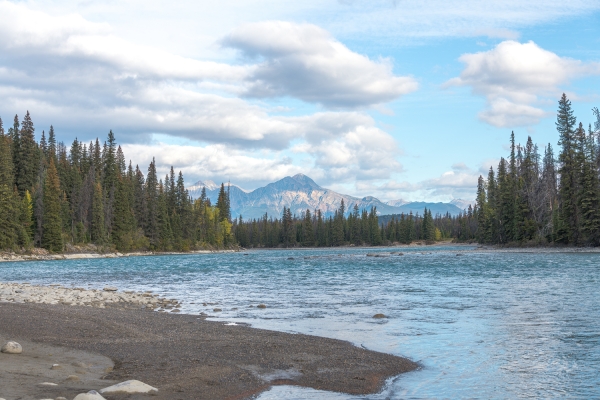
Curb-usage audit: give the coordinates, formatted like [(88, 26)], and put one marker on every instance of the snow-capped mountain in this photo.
[(299, 193)]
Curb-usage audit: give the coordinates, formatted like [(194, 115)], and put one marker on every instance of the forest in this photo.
[(56, 198), (545, 200)]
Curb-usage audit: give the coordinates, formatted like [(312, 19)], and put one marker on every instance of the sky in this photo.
[(398, 99)]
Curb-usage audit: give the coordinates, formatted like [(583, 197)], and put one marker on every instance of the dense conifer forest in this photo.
[(55, 197), (544, 199)]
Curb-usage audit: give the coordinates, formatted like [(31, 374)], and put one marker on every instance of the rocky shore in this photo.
[(100, 298), (43, 255), (183, 356)]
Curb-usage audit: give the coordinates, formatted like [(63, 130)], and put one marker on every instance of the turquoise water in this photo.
[(481, 325)]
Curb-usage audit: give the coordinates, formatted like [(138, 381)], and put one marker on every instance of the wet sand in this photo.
[(184, 356)]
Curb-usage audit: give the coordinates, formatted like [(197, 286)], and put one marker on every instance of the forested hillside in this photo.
[(542, 198)]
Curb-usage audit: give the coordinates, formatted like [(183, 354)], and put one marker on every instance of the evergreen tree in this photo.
[(98, 226), (568, 213), (152, 228), (52, 239), (223, 204), (28, 158), (308, 235)]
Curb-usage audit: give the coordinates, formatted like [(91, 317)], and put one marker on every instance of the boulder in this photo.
[(91, 395), (131, 386), (261, 306), (12, 348), (379, 316)]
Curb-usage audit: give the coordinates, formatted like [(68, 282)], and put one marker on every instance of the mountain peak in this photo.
[(208, 184), (305, 180)]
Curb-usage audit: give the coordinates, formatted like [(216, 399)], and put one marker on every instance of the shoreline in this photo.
[(20, 257), (44, 256), (186, 356)]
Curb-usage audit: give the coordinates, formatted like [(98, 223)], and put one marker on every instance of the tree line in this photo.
[(358, 227), (53, 197), (541, 199)]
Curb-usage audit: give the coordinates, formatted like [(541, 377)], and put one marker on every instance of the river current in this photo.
[(481, 324)]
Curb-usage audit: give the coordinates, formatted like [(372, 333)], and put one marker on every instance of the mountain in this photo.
[(299, 193), (463, 204)]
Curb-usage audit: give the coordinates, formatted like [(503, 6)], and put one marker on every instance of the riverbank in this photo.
[(100, 298), (43, 255), (185, 356)]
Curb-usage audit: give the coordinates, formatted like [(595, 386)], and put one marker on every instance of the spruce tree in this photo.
[(28, 158), (223, 204), (568, 213), (152, 227), (52, 239), (589, 196), (98, 226)]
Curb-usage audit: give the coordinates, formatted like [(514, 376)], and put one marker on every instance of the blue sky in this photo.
[(399, 99)]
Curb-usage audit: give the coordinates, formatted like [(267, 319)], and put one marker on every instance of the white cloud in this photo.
[(217, 162), (306, 62), (515, 78)]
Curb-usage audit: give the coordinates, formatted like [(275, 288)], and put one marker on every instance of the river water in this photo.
[(481, 325)]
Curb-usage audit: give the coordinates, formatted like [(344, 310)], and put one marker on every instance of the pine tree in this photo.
[(589, 196), (482, 211), (98, 228), (223, 204), (568, 213), (52, 239), (28, 158), (152, 227), (308, 235)]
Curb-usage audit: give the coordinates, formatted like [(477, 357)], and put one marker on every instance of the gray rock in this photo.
[(12, 348), (131, 386), (91, 395), (110, 289)]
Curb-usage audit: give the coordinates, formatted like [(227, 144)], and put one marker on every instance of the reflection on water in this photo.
[(496, 325)]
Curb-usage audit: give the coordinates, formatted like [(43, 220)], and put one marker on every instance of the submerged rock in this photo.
[(261, 306), (12, 348), (379, 316), (131, 386)]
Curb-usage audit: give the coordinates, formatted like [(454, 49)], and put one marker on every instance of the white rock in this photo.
[(131, 386), (91, 395), (47, 384), (12, 348)]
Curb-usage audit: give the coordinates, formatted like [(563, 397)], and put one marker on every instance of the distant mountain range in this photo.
[(300, 193)]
